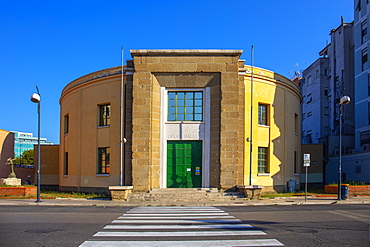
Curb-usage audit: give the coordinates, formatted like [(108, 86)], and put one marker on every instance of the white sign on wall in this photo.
[(185, 131)]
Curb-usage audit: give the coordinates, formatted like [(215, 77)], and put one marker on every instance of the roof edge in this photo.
[(194, 52)]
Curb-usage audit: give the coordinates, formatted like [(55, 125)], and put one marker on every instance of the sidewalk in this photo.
[(109, 203)]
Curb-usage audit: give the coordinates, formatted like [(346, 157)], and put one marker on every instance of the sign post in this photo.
[(306, 163)]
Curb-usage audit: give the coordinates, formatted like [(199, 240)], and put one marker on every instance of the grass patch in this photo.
[(353, 183), (55, 194), (78, 195), (310, 192), (4, 185)]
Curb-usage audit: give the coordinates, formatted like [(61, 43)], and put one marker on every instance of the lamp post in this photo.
[(343, 101), (35, 98)]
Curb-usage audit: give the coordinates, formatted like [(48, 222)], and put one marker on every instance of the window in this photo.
[(66, 124), (309, 81), (263, 160), (296, 123), (103, 160), (262, 114), (326, 111), (65, 168), (185, 106), (364, 31), (104, 115), (368, 112), (309, 98), (358, 169), (358, 6), (309, 114), (295, 163), (368, 84), (365, 138), (364, 58)]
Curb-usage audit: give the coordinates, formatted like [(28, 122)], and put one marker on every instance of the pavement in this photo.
[(310, 200)]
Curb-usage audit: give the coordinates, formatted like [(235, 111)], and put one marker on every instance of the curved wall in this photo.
[(281, 136)]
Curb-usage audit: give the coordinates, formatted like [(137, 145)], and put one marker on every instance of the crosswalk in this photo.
[(180, 227)]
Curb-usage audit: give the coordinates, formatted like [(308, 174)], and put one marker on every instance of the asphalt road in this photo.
[(310, 225), (304, 225)]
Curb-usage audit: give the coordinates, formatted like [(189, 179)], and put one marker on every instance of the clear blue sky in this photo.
[(50, 43)]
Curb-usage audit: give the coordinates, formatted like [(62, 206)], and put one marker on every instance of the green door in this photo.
[(184, 164)]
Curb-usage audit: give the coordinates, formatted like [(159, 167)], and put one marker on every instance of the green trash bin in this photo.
[(344, 188)]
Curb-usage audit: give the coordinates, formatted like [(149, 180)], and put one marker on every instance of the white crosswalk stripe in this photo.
[(179, 226)]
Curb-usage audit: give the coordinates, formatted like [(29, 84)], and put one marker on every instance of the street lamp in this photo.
[(343, 101), (35, 98)]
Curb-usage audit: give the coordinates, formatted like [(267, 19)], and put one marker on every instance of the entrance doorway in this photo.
[(184, 164)]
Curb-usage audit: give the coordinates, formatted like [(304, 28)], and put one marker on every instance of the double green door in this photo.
[(184, 164)]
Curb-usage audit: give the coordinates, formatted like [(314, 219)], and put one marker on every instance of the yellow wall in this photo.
[(282, 136)]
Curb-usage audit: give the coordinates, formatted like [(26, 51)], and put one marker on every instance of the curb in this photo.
[(109, 203)]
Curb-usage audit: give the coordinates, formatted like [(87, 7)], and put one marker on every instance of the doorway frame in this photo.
[(204, 134)]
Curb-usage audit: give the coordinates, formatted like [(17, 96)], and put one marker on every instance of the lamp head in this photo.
[(345, 100), (35, 98)]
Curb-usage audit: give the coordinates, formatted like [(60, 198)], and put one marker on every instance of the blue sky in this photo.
[(50, 43)]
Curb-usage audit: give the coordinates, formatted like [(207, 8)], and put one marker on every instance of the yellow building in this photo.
[(179, 119)]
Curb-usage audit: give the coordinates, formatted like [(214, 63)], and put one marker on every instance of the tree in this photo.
[(25, 159)]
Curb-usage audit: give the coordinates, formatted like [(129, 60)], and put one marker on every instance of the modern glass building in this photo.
[(25, 141)]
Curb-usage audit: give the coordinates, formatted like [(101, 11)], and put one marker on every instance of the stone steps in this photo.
[(170, 195)]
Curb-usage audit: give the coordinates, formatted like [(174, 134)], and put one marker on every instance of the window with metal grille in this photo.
[(262, 114), (104, 115), (263, 160), (103, 160), (185, 106)]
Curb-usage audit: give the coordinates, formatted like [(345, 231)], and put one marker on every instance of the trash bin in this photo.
[(344, 191)]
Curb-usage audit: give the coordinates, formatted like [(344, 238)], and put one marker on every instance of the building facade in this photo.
[(6, 151), (362, 76), (179, 119), (324, 82), (25, 141)]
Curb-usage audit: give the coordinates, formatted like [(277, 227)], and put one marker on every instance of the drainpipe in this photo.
[(122, 92), (251, 123)]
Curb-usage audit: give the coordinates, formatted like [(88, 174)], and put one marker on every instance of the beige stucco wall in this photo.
[(6, 151), (80, 101), (49, 169)]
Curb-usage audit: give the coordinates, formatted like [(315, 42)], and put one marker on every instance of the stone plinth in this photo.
[(120, 193), (251, 191), (11, 181)]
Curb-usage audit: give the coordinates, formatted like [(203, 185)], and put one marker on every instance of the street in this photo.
[(293, 225)]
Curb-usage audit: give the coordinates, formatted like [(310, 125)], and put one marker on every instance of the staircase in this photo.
[(176, 196)]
